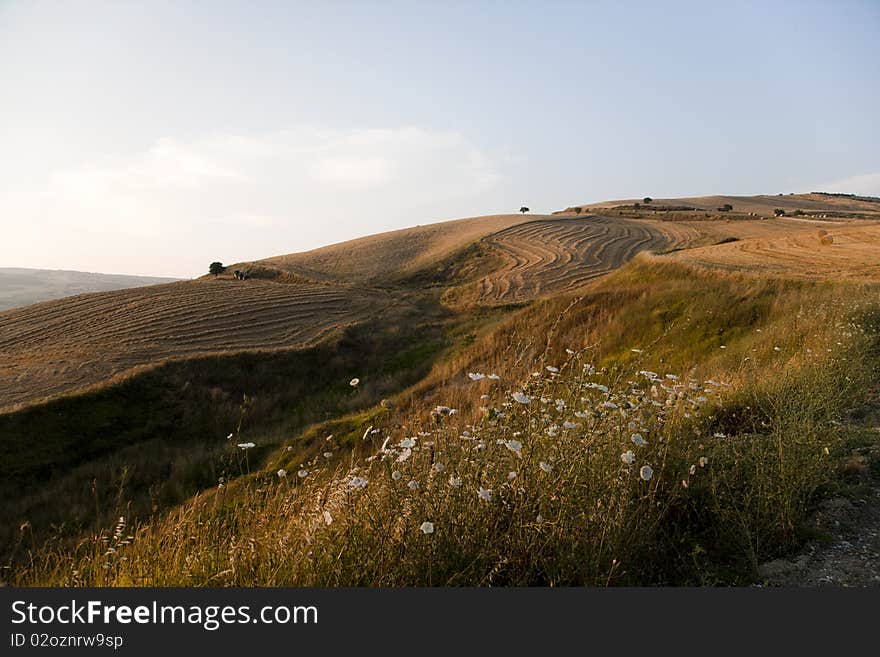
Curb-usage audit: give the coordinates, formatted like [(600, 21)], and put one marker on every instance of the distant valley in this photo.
[(22, 287)]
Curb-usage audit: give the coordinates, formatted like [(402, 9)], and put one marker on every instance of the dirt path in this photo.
[(850, 555)]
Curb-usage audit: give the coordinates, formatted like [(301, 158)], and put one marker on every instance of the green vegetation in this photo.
[(623, 475), (160, 436)]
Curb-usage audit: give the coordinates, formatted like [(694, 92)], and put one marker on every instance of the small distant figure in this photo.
[(523, 209)]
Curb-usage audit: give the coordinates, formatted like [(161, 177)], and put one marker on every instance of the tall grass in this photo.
[(619, 444)]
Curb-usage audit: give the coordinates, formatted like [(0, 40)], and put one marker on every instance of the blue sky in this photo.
[(152, 138)]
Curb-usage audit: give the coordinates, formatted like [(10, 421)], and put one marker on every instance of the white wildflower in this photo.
[(628, 457), (476, 376), (514, 446), (427, 527), (246, 445), (396, 475), (328, 519), (521, 398), (638, 440), (546, 467), (455, 482), (484, 494), (282, 473), (354, 383), (646, 472), (413, 485), (302, 474)]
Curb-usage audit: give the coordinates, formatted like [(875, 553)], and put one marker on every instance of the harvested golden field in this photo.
[(74, 343), (689, 234), (843, 251), (554, 255), (548, 256), (762, 204), (63, 346), (378, 258)]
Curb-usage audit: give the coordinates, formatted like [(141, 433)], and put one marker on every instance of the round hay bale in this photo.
[(826, 240)]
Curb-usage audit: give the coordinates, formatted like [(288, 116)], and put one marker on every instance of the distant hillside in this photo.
[(22, 287), (763, 204)]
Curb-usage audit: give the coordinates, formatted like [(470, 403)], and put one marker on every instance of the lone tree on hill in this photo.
[(523, 209), (578, 210), (216, 268), (647, 200)]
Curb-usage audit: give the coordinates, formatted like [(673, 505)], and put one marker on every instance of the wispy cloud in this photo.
[(251, 195), (866, 184)]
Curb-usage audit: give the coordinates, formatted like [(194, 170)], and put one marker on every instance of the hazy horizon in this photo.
[(154, 140)]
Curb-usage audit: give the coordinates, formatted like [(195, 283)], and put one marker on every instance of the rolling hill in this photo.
[(136, 389), (765, 204), (72, 344)]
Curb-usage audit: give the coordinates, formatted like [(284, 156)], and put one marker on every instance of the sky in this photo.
[(155, 137)]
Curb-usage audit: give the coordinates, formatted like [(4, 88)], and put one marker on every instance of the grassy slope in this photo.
[(160, 436), (782, 406)]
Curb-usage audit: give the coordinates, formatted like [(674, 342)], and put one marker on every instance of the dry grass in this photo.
[(851, 251), (68, 345), (553, 256), (763, 204), (61, 346), (386, 257), (739, 443), (792, 352)]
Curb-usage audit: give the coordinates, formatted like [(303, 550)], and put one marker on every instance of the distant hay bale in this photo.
[(826, 240)]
